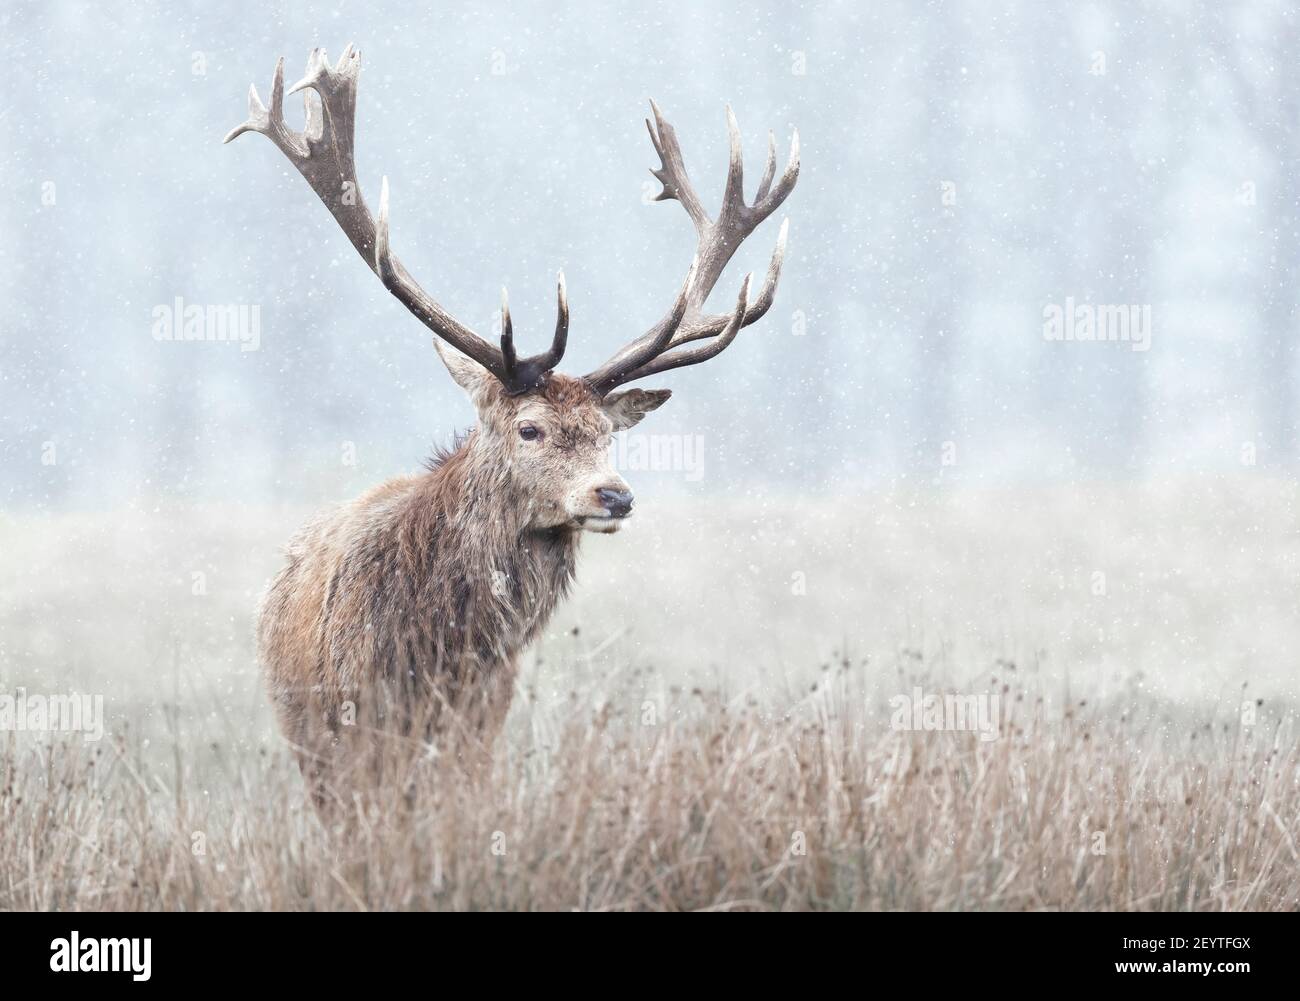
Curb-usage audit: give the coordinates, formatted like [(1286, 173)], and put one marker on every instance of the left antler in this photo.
[(323, 154), (660, 348)]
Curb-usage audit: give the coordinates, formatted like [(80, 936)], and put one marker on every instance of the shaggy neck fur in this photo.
[(471, 541)]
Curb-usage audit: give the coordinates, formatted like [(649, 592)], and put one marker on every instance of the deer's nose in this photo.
[(617, 502)]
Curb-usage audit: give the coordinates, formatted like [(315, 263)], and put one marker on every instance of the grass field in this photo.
[(709, 722)]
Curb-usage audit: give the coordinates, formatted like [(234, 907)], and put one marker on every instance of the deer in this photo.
[(428, 587)]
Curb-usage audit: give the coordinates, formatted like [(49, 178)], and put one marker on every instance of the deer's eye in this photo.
[(530, 432)]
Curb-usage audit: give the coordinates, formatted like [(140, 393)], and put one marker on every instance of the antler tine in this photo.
[(507, 336), (703, 352), (654, 343), (768, 203), (717, 241), (733, 196), (672, 169), (560, 341), (324, 155), (270, 121), (770, 171)]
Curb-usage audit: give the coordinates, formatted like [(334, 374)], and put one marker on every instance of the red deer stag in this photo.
[(429, 586)]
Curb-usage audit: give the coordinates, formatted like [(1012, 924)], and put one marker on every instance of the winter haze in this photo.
[(1023, 413)]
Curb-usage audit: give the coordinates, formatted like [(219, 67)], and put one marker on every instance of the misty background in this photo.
[(965, 165), (892, 480)]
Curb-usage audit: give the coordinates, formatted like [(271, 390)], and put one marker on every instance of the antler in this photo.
[(323, 154), (717, 241)]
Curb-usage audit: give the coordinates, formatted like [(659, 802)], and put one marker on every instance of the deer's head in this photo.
[(553, 430), (553, 442)]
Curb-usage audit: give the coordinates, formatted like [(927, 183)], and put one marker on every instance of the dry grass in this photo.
[(761, 742), (699, 803)]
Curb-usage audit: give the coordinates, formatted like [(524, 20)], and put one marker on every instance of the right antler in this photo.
[(323, 154), (717, 241)]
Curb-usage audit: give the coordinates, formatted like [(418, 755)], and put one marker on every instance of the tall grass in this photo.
[(690, 800)]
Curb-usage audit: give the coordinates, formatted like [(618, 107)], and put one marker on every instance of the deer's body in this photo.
[(408, 588), (407, 609), (425, 589)]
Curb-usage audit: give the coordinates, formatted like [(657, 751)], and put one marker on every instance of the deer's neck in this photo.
[(474, 534)]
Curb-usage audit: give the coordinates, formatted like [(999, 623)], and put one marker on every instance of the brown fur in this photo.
[(404, 611)]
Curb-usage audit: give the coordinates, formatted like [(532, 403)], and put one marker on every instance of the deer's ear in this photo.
[(469, 374), (627, 407)]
